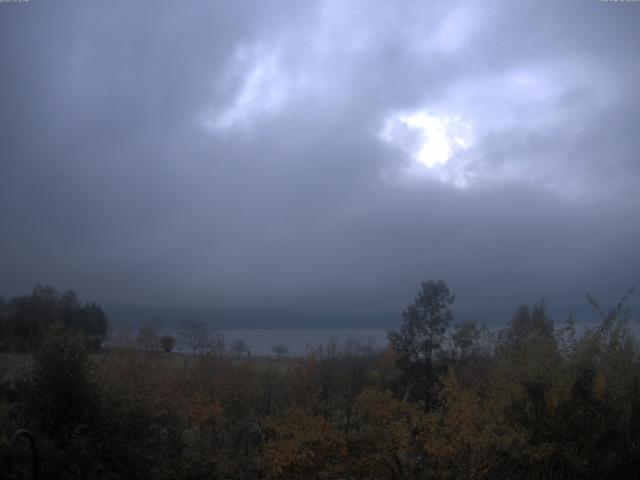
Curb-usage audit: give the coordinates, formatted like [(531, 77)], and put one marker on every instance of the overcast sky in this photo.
[(320, 154)]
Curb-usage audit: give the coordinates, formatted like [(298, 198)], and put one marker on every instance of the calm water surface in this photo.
[(299, 341)]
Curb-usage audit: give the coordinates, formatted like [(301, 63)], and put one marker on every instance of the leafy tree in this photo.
[(28, 317), (63, 379), (465, 337), (94, 324), (167, 343), (303, 446), (459, 435), (64, 398), (419, 341), (33, 315), (528, 323), (84, 429), (70, 310), (89, 319), (387, 443)]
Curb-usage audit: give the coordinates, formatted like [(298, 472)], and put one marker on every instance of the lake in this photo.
[(299, 341)]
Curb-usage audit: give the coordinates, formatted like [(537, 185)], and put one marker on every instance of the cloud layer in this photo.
[(235, 153)]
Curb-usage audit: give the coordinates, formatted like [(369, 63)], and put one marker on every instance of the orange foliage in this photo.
[(386, 443), (459, 431), (303, 446)]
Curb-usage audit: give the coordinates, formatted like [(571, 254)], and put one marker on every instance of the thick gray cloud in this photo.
[(273, 153)]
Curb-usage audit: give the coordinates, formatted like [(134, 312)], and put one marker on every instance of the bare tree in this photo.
[(239, 348), (280, 350), (147, 337), (195, 335), (218, 345)]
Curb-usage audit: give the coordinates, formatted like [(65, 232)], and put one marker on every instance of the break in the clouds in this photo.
[(320, 154)]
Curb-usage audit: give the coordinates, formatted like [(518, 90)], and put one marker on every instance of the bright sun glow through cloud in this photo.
[(431, 140)]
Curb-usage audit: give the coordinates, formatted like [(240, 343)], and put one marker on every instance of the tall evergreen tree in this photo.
[(418, 343)]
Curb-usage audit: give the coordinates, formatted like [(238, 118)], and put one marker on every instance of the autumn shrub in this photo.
[(302, 446)]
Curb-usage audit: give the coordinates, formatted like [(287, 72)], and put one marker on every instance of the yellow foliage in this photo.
[(458, 432), (303, 446), (387, 442)]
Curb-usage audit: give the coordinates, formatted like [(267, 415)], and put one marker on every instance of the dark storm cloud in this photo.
[(233, 153)]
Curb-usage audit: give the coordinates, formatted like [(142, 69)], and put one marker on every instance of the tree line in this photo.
[(444, 399), (25, 319), (192, 336)]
